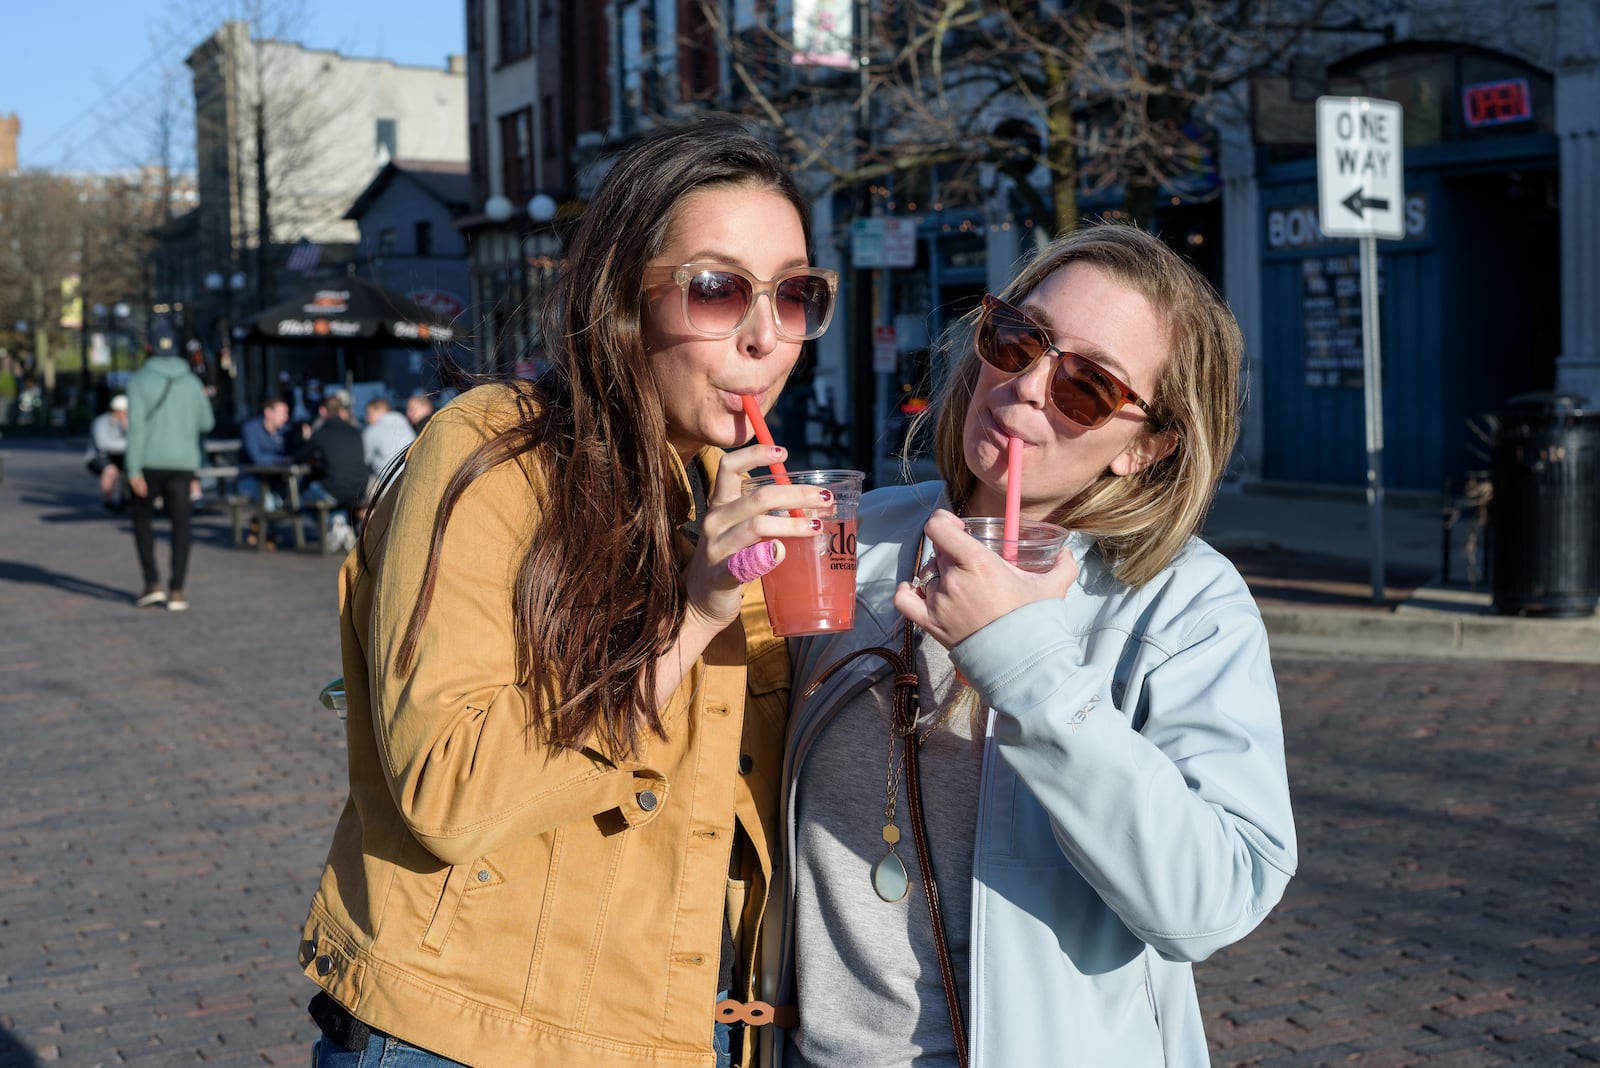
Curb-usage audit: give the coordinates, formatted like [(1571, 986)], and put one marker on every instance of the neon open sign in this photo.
[(1496, 103)]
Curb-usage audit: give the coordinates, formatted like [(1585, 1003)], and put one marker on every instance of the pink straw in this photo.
[(1013, 522)]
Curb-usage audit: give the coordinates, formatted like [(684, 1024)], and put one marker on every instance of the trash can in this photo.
[(1545, 513)]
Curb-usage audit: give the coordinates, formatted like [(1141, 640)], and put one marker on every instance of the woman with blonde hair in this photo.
[(1088, 761)]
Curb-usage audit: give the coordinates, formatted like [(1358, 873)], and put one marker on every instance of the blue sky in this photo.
[(87, 77)]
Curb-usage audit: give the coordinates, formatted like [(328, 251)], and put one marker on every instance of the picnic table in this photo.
[(221, 467), (268, 507)]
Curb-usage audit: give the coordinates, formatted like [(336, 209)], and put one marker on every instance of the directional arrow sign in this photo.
[(1360, 167), (1357, 203)]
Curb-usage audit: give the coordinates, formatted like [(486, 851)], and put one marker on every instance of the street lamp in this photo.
[(535, 269), (226, 288), (542, 208), (498, 208)]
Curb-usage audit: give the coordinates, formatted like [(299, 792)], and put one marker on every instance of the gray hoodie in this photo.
[(168, 413)]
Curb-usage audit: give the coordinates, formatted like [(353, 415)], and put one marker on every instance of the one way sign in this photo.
[(1360, 167)]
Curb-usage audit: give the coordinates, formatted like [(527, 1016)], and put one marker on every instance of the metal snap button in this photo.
[(648, 800), (483, 876), (745, 763), (324, 964)]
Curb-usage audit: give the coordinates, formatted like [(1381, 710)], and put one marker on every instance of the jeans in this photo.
[(173, 488), (722, 1038), (383, 1051)]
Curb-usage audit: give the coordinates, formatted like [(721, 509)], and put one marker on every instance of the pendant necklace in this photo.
[(890, 880), (889, 876)]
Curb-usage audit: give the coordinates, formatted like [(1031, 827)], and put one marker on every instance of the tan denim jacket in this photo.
[(492, 900)]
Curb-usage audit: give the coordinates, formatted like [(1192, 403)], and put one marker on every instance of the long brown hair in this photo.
[(1142, 520), (597, 597)]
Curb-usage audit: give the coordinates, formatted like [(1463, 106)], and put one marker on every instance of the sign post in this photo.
[(883, 242), (1361, 194)]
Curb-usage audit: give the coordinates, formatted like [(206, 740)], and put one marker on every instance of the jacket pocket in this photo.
[(459, 881), (767, 680)]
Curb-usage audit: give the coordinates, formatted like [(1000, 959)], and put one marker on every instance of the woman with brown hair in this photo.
[(1008, 844), (565, 703)]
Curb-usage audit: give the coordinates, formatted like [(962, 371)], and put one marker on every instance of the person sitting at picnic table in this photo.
[(108, 445), (419, 409), (263, 444), (386, 435), (339, 468)]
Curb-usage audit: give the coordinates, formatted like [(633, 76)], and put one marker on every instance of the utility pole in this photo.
[(863, 382), (264, 288)]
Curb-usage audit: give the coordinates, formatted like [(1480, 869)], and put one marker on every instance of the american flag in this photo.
[(304, 257)]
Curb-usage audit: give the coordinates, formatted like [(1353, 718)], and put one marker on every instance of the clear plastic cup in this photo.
[(1035, 548), (814, 590)]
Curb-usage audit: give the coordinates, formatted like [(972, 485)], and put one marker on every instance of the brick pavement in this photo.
[(170, 786), (1446, 910)]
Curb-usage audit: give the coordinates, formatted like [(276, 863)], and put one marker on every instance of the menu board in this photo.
[(1330, 289)]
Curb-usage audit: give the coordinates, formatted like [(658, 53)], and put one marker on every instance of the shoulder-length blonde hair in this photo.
[(1142, 520)]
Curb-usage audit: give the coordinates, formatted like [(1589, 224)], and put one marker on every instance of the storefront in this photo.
[(1471, 296)]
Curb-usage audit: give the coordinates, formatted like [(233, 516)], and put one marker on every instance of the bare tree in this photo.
[(1061, 96), (40, 216), (59, 229), (263, 106)]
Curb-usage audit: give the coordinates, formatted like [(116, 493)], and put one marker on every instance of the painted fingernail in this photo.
[(827, 495), (779, 452), (816, 525)]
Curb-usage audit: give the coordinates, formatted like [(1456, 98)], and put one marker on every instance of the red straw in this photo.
[(1013, 523), (753, 411)]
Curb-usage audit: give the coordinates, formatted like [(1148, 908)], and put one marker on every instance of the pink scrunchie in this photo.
[(753, 561)]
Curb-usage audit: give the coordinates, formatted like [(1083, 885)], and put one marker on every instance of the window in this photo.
[(424, 238), (387, 139), (386, 241), (516, 30), (474, 27), (516, 155)]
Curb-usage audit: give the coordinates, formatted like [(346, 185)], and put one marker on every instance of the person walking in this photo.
[(1021, 805), (168, 414), (565, 699)]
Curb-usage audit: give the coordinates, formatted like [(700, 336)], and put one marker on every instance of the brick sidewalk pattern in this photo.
[(170, 787)]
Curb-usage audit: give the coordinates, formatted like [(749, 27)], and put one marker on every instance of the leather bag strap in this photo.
[(930, 885)]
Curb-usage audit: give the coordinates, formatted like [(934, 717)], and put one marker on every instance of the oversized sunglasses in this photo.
[(1080, 389), (718, 298)]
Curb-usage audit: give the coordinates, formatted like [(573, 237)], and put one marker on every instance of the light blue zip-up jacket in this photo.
[(1134, 811)]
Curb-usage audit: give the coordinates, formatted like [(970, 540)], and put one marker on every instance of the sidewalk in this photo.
[(1306, 553)]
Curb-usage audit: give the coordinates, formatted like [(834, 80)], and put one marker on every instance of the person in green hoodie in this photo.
[(168, 413)]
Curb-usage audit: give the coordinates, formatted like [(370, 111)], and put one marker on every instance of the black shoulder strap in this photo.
[(154, 408)]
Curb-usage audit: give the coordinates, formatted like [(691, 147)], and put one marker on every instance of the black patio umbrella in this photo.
[(345, 313), (350, 311)]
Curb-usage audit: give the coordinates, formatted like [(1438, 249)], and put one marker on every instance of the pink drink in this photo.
[(814, 590)]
